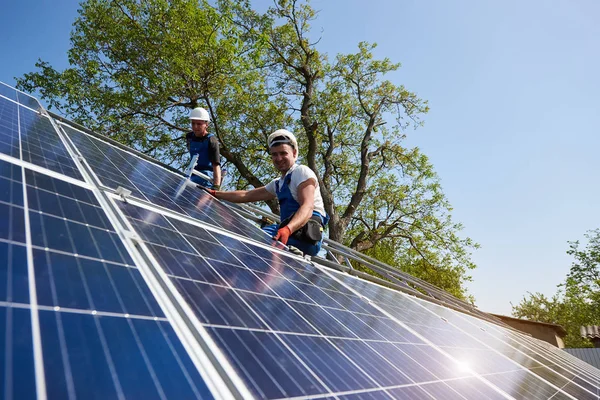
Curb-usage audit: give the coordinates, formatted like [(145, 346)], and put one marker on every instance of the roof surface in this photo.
[(590, 356), (590, 331)]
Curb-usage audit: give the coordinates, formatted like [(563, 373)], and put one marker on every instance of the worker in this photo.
[(206, 145), (303, 216)]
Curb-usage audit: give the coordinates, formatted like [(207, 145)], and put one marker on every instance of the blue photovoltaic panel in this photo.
[(155, 184), (574, 383), (262, 308), (9, 128), (97, 315), (41, 145), (8, 92), (12, 227), (39, 142), (18, 96), (93, 357), (17, 367), (289, 329), (28, 101), (491, 356), (572, 380), (66, 218)]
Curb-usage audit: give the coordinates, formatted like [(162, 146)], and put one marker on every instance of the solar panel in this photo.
[(169, 293), (154, 184), (31, 137), (8, 92), (18, 96), (96, 324)]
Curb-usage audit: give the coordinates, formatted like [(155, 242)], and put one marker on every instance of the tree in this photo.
[(583, 279), (136, 68), (577, 301)]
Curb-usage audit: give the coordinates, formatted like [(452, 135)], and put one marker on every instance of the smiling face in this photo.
[(199, 127), (283, 156)]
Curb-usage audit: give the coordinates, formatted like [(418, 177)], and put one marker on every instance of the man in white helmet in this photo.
[(206, 145), (303, 216)]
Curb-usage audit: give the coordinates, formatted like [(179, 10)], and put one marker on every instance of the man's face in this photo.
[(283, 156), (199, 127)]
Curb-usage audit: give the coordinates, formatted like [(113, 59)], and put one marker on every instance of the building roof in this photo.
[(590, 331), (558, 328), (589, 355)]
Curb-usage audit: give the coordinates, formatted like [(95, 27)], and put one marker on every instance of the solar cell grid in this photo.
[(322, 313), (518, 353), (521, 384), (469, 388), (460, 344), (18, 96), (8, 91), (16, 368), (156, 185), (9, 128), (551, 355), (13, 274), (28, 101), (100, 357), (306, 319), (12, 223), (102, 331), (42, 146)]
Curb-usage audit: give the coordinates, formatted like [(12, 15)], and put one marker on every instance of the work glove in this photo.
[(283, 234), (210, 191)]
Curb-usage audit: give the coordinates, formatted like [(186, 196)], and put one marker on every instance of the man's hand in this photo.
[(283, 234), (216, 187), (210, 191)]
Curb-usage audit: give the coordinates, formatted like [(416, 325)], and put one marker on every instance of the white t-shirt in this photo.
[(301, 174)]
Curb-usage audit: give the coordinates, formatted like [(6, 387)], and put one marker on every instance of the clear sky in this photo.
[(513, 130)]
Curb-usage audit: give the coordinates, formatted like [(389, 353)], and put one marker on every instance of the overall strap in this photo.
[(287, 179)]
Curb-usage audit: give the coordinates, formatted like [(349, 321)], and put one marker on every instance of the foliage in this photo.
[(136, 69), (577, 302)]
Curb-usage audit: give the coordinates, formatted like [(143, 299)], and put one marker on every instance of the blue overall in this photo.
[(204, 164), (288, 206)]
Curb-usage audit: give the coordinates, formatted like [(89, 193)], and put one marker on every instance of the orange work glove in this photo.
[(210, 191), (283, 234)]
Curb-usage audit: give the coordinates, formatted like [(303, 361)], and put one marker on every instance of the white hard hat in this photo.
[(200, 113), (282, 136)]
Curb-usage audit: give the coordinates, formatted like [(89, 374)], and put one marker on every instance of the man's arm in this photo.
[(216, 175), (245, 196), (306, 199)]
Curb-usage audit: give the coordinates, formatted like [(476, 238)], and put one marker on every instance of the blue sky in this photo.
[(513, 128)]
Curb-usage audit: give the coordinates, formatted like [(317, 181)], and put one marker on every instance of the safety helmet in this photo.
[(282, 136), (200, 113)]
